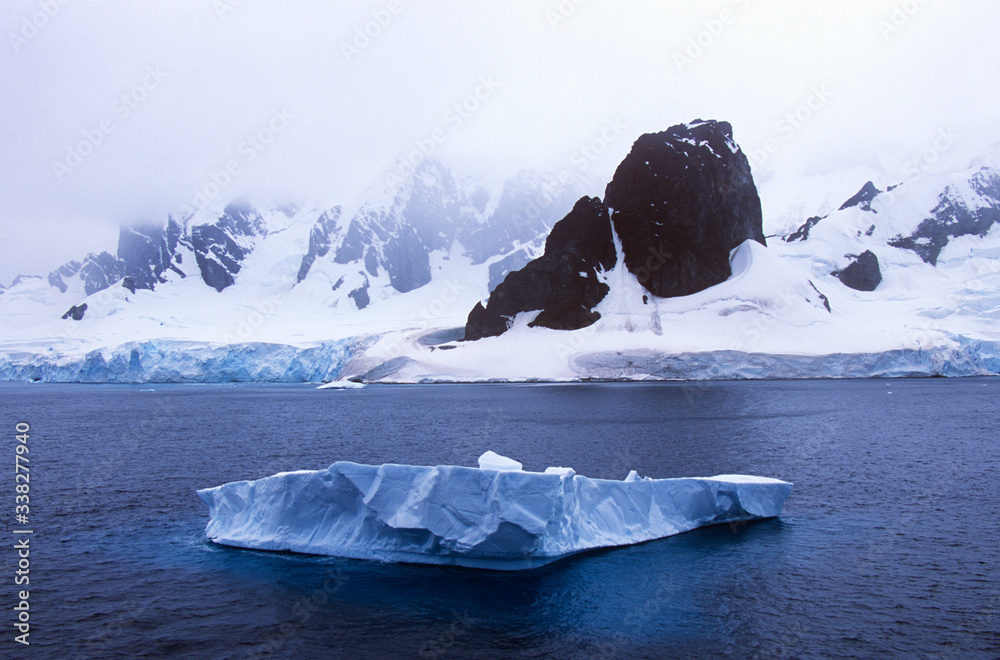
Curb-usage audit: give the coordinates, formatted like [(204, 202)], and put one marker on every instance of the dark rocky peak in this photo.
[(563, 283), (863, 273), (58, 277), (99, 271), (862, 198), (802, 233), (320, 240), (360, 295), (407, 221), (956, 214), (680, 202), (221, 247), (241, 219), (397, 229), (147, 252), (75, 312)]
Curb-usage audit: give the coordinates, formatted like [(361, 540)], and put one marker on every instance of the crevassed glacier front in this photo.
[(504, 519)]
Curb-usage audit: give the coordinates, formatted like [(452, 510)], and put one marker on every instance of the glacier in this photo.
[(166, 361), (497, 516)]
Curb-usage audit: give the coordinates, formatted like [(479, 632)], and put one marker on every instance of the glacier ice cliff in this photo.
[(502, 519), (167, 361)]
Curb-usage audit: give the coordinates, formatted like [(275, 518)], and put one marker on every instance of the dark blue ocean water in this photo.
[(888, 546)]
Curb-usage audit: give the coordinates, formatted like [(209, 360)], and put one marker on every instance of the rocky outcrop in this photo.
[(398, 235), (320, 240), (562, 284), (360, 296), (956, 215), (863, 273), (680, 202), (514, 261), (76, 312), (396, 232), (99, 271), (58, 277), (802, 233), (221, 247), (147, 252), (862, 198)]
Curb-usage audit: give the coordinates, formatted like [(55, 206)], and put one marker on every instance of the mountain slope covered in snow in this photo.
[(900, 281)]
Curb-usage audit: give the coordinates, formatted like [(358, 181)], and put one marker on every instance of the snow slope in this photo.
[(783, 313)]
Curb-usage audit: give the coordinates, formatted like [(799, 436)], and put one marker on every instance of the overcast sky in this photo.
[(119, 111)]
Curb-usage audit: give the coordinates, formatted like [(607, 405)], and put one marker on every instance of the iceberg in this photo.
[(497, 516)]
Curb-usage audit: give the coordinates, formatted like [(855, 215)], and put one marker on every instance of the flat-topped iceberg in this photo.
[(496, 516)]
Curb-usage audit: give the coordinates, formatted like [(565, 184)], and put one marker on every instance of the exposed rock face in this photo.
[(360, 296), (99, 271), (863, 274), (76, 312), (392, 235), (563, 283), (863, 197), (221, 247), (398, 237), (432, 209), (146, 252), (681, 201), (320, 240), (57, 277), (499, 269), (955, 216), (802, 233)]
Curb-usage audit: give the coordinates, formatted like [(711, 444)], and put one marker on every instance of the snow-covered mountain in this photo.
[(899, 281), (408, 252)]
